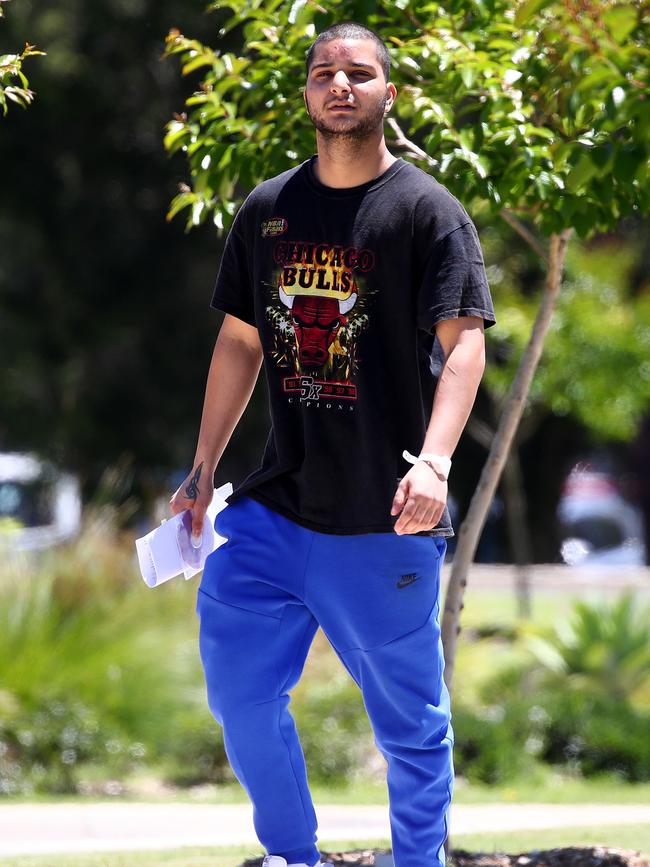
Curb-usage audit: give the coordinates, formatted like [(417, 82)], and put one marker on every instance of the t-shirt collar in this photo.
[(343, 192)]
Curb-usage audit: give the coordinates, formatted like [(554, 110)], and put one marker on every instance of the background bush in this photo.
[(194, 752), (95, 669), (577, 699), (334, 729), (100, 679), (42, 749), (593, 735)]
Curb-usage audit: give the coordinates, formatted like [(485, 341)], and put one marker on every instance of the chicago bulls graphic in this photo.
[(320, 289), (316, 321)]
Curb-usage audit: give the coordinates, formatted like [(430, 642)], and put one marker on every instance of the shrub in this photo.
[(42, 750), (334, 730), (572, 703), (95, 668), (194, 752), (496, 744), (593, 735), (603, 649)]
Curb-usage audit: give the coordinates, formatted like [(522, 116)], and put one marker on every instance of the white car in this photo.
[(40, 506), (598, 525)]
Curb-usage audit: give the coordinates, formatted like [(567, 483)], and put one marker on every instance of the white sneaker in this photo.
[(279, 861)]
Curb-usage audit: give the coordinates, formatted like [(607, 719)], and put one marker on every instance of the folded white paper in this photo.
[(167, 551)]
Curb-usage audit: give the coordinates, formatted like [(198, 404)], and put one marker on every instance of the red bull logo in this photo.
[(317, 285)]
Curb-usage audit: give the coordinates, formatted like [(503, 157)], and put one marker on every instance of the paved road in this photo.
[(575, 580), (32, 829)]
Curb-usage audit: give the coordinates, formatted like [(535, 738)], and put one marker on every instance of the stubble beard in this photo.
[(364, 128)]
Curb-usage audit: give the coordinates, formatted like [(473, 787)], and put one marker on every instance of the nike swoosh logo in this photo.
[(405, 580)]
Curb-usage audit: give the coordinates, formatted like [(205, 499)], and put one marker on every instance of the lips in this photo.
[(341, 106)]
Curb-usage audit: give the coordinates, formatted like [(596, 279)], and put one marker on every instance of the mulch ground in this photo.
[(573, 856), (570, 856)]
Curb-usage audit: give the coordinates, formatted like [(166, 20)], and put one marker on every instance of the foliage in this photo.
[(576, 702), (591, 734), (94, 669), (334, 729), (95, 286), (541, 108), (595, 364), (11, 69), (43, 749), (194, 751), (334, 732), (496, 743), (603, 650), (100, 677)]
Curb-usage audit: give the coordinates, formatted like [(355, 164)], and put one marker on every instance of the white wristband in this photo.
[(439, 463)]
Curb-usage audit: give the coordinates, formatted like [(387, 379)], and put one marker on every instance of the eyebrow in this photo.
[(327, 63)]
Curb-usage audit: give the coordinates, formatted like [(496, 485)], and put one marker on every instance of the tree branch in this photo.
[(513, 221), (480, 432), (525, 233), (403, 142)]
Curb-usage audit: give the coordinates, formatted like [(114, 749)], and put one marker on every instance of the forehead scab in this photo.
[(348, 52)]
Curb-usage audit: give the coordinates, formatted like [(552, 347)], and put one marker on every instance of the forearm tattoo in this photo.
[(192, 490)]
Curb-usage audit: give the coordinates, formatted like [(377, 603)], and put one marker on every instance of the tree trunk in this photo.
[(472, 526), (519, 536)]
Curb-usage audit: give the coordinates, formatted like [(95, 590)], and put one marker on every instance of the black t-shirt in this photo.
[(345, 287)]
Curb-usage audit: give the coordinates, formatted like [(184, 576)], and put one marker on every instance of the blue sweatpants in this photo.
[(263, 595)]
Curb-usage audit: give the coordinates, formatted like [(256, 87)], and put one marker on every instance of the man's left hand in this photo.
[(421, 498)]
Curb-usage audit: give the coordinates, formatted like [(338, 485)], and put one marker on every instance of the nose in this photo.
[(340, 83)]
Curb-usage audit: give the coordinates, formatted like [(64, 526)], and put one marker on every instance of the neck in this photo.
[(344, 162)]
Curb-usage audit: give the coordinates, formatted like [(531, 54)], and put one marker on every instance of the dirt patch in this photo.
[(572, 856)]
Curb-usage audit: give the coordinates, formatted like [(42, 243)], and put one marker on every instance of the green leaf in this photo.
[(468, 75), (621, 21), (295, 10), (179, 202), (540, 131), (581, 173), (177, 134), (197, 62), (529, 8), (626, 163), (602, 72)]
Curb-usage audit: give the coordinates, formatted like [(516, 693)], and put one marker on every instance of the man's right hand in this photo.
[(195, 493)]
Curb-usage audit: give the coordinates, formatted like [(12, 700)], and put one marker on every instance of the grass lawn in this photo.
[(228, 856), (635, 837), (191, 856), (549, 788), (548, 606), (555, 789), (552, 790)]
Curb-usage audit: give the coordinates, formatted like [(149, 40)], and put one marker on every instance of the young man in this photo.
[(338, 275)]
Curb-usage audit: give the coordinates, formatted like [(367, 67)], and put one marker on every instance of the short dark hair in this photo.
[(352, 30)]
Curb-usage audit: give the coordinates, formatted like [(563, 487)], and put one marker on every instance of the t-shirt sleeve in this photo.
[(233, 290), (454, 282)]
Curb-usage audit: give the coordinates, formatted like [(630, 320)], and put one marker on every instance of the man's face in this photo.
[(346, 93)]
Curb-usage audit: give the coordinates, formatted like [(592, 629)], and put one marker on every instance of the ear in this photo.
[(392, 96)]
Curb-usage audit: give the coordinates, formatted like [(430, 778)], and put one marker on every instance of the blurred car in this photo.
[(597, 524), (40, 506)]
